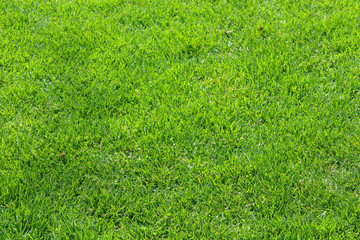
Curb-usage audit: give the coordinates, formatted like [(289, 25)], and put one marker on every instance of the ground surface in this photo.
[(179, 119)]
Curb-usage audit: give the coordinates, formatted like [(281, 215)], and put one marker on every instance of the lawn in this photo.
[(229, 119)]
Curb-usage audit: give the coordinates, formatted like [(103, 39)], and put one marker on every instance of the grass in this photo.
[(145, 120)]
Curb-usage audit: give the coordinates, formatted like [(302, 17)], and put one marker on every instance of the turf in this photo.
[(179, 119)]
